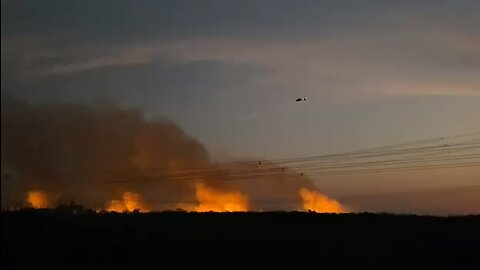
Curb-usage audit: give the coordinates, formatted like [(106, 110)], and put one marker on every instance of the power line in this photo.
[(438, 153)]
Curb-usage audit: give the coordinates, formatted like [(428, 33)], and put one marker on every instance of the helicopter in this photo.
[(301, 99)]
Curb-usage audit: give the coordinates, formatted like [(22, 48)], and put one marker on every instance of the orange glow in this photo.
[(131, 201), (116, 206), (317, 202), (220, 201), (37, 199)]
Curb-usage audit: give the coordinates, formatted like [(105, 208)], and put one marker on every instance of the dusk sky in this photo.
[(228, 73)]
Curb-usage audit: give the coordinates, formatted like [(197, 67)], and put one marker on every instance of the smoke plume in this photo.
[(108, 156)]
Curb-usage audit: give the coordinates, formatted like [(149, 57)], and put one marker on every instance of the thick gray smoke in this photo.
[(74, 151)]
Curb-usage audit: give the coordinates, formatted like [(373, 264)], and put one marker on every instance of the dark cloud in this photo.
[(104, 20), (103, 46), (160, 86)]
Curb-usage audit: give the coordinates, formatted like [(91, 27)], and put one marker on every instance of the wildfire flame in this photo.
[(220, 201), (116, 206), (131, 201), (37, 199), (122, 142), (317, 202)]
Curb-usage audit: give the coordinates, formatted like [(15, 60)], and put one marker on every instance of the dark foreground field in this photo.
[(47, 239)]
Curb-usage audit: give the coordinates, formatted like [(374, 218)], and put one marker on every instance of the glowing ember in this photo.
[(131, 201), (37, 199), (317, 202), (220, 201)]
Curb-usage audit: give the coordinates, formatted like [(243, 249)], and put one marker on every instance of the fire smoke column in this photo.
[(317, 202)]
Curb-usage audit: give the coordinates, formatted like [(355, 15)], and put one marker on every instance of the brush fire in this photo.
[(73, 150), (37, 199), (130, 202), (220, 201), (317, 202)]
